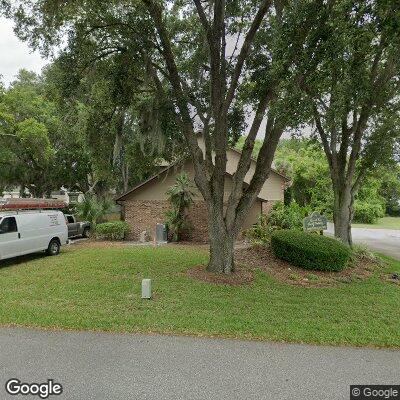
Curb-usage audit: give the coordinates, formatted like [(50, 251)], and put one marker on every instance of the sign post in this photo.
[(315, 222)]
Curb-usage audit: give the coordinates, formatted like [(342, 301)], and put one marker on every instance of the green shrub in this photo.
[(287, 216), (115, 230), (368, 213), (93, 210), (281, 216), (313, 277), (260, 233), (360, 253), (310, 251)]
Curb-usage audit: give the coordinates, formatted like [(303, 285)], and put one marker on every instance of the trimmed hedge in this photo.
[(115, 230), (310, 251)]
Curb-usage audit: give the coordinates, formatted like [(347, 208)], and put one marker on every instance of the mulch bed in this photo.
[(389, 278), (241, 276), (262, 257), (250, 258)]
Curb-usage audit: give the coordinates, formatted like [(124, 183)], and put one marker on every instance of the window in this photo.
[(8, 225), (70, 219)]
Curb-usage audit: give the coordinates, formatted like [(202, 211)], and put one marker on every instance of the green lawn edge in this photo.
[(383, 223), (99, 290)]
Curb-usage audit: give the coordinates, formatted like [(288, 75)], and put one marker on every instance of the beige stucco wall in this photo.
[(157, 188), (253, 215), (273, 188)]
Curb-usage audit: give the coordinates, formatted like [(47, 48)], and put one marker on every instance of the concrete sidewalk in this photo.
[(112, 366)]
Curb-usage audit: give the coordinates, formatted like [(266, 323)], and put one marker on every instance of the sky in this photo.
[(15, 54)]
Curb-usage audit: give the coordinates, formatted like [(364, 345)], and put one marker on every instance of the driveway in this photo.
[(109, 366), (385, 241)]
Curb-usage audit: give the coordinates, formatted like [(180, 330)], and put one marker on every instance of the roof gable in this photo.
[(233, 157)]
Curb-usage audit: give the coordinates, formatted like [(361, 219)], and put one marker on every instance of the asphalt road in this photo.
[(385, 241), (113, 367)]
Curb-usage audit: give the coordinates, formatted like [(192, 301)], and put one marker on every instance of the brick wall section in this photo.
[(267, 206), (143, 215), (198, 219)]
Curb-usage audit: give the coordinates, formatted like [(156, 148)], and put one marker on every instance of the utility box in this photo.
[(146, 289), (161, 233)]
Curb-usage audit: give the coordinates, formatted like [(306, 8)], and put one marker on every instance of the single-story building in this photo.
[(145, 205)]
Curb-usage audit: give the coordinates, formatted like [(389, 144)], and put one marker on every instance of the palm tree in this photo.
[(180, 195), (93, 210)]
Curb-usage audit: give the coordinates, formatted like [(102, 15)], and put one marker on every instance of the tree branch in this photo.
[(204, 21), (197, 155), (244, 51), (273, 133), (246, 157)]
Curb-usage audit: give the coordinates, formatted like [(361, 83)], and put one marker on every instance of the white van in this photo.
[(25, 232)]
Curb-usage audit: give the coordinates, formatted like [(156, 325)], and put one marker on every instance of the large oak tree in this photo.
[(216, 60), (351, 84)]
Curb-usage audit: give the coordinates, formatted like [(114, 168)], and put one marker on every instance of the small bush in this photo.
[(313, 277), (362, 254), (367, 213), (281, 216), (294, 277), (287, 216), (310, 251), (93, 210), (260, 233), (115, 230)]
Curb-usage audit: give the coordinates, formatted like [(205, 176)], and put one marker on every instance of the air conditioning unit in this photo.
[(161, 233)]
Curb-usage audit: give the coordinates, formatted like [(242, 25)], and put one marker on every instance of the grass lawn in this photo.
[(383, 223), (99, 289)]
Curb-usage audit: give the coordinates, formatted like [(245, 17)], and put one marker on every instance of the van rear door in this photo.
[(9, 237)]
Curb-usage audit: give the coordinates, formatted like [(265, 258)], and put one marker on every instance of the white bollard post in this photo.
[(146, 289)]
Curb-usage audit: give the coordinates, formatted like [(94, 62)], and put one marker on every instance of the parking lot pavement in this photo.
[(113, 366)]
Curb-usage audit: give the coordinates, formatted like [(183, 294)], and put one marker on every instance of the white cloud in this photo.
[(15, 54)]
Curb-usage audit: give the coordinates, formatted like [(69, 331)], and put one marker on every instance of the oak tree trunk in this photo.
[(343, 214), (222, 243), (221, 253)]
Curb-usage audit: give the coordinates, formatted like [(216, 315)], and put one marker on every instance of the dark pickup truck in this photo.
[(77, 228)]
